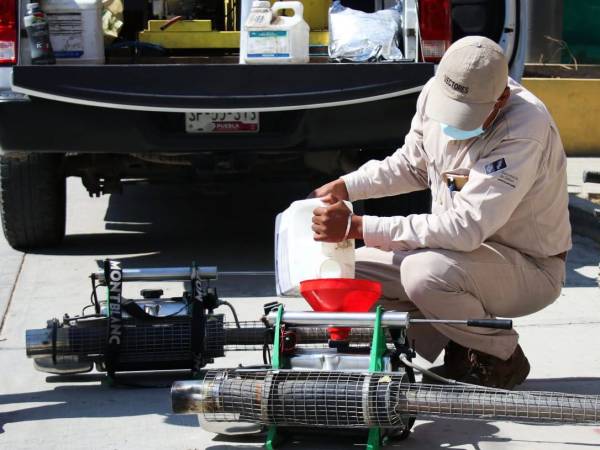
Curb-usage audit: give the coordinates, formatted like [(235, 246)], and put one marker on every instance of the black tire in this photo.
[(32, 200)]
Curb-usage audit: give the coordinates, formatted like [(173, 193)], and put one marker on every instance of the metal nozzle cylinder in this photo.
[(68, 341), (189, 397), (38, 342)]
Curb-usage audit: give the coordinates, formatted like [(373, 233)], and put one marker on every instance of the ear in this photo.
[(497, 107)]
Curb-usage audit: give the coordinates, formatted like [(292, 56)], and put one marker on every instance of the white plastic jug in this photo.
[(299, 257), (270, 38), (75, 30)]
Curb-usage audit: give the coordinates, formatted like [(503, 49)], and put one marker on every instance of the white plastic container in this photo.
[(270, 38), (75, 30), (299, 257)]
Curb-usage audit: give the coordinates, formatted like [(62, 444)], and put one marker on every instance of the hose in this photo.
[(235, 316), (404, 360)]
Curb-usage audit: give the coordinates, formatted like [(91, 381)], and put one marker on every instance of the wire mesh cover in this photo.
[(360, 400), (142, 341), (170, 340)]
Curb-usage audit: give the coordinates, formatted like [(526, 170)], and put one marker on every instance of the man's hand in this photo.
[(330, 223), (331, 192)]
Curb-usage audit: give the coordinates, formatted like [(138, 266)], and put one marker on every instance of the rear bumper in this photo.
[(49, 126), (366, 106)]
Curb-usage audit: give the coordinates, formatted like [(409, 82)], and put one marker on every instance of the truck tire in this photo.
[(32, 200)]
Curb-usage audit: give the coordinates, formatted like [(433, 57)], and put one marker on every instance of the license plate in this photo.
[(227, 122)]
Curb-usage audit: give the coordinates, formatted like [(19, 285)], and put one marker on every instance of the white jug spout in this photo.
[(330, 268)]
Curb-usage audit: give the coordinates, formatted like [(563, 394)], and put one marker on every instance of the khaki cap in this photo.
[(469, 80)]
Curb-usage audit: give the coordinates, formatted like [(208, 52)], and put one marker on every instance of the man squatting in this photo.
[(495, 242)]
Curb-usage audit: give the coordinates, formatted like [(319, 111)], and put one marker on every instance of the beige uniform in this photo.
[(489, 246)]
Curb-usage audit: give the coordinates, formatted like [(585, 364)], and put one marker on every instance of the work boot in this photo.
[(490, 371), (456, 364)]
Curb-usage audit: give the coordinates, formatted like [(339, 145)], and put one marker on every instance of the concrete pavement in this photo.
[(10, 266), (152, 226)]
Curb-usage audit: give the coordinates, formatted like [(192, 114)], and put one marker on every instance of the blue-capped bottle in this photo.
[(39, 35)]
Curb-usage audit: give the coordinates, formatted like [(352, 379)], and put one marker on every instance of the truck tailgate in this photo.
[(221, 87)]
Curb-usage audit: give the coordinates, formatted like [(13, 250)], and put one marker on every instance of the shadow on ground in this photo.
[(175, 225), (231, 227), (93, 400), (585, 253)]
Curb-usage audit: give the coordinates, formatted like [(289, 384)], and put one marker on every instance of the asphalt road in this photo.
[(174, 225)]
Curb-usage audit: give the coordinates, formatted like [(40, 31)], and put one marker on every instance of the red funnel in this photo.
[(340, 295)]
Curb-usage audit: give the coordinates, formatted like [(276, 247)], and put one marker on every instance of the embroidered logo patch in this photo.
[(495, 166)]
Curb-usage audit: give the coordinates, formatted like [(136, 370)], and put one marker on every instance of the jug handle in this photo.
[(297, 7)]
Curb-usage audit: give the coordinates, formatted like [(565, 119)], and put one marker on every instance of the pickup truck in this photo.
[(157, 115)]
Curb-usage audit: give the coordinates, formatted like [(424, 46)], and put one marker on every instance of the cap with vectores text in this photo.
[(469, 80)]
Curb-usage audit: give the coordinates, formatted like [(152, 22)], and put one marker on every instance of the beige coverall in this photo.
[(487, 249)]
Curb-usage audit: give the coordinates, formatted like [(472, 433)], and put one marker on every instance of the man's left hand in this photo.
[(330, 223)]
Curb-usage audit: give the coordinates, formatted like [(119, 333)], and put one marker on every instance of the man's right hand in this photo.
[(333, 190)]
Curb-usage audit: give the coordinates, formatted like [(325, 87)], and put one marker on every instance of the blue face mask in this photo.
[(459, 135)]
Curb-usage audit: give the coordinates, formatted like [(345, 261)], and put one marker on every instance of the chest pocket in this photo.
[(456, 179), (452, 182)]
